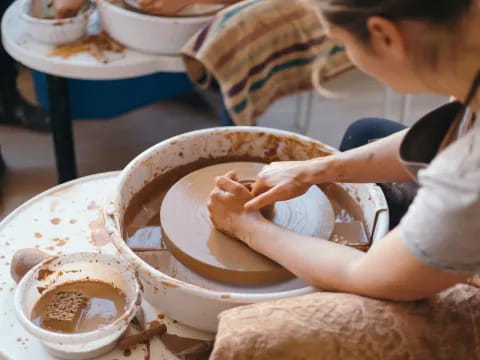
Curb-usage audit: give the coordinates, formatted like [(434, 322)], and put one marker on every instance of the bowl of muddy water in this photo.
[(78, 305), (133, 220)]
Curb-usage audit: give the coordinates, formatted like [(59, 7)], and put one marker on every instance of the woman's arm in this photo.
[(375, 162), (387, 271)]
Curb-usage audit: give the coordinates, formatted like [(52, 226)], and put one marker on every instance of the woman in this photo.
[(413, 46)]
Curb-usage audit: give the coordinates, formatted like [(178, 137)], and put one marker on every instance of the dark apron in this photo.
[(422, 143)]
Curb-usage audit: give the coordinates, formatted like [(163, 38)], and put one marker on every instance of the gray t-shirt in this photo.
[(442, 226)]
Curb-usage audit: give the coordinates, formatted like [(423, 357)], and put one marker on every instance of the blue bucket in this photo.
[(100, 99)]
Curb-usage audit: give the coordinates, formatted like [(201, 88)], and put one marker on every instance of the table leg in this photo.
[(62, 128)]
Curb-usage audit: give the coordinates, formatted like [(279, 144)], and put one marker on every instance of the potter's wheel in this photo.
[(192, 239)]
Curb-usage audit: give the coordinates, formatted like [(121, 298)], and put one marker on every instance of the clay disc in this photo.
[(190, 236)]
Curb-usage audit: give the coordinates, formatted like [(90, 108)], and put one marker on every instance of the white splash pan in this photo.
[(182, 294)]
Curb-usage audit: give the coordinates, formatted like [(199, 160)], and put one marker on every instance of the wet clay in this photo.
[(142, 220), (195, 242), (95, 45), (79, 306), (144, 208)]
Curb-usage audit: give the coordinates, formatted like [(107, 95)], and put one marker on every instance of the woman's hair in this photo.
[(352, 15)]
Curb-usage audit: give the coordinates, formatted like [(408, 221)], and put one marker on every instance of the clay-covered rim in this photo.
[(84, 337), (119, 242), (170, 20)]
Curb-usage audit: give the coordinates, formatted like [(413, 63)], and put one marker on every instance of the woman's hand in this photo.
[(154, 7), (281, 181), (227, 207), (67, 8)]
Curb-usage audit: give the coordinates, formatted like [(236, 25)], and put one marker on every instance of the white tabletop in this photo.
[(18, 43), (75, 206)]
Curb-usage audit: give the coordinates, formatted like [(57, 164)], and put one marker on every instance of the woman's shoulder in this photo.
[(442, 226), (460, 160)]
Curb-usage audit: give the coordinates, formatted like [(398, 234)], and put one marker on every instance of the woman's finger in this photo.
[(232, 175), (227, 184), (259, 188), (267, 198), (216, 193), (260, 185)]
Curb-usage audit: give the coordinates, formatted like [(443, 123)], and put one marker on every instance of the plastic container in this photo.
[(104, 99), (75, 267)]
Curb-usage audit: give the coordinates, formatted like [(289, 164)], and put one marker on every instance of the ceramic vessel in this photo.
[(56, 31), (148, 33)]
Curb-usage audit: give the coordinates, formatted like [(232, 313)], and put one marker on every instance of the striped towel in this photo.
[(258, 51)]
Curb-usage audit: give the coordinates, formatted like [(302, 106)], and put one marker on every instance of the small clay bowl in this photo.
[(76, 267), (56, 31)]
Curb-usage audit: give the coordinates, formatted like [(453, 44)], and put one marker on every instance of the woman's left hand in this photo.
[(226, 206)]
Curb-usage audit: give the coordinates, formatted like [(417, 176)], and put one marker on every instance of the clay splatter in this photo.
[(59, 242), (56, 221), (99, 235), (92, 206)]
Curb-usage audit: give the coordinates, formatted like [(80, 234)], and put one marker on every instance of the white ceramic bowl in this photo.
[(56, 31), (96, 266), (181, 293), (147, 33)]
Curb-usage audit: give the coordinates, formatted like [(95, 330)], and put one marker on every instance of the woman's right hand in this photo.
[(282, 181)]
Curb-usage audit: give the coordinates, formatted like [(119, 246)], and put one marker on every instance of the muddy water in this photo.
[(349, 226), (103, 305)]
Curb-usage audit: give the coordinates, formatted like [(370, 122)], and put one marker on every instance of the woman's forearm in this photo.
[(319, 262), (387, 271), (375, 162)]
